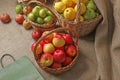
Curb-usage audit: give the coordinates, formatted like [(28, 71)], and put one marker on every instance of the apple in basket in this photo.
[(48, 48), (68, 39), (27, 10), (59, 56), (58, 41), (67, 61), (5, 18), (56, 65), (36, 34), (46, 59), (19, 18), (71, 51), (38, 50)]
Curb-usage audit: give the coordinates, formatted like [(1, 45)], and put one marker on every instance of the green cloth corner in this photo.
[(21, 69)]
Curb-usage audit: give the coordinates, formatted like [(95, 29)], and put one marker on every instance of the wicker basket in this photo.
[(44, 27), (62, 69), (82, 28)]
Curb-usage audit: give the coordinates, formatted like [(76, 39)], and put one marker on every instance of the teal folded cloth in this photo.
[(21, 69)]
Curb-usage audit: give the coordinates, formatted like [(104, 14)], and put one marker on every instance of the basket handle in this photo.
[(52, 31), (78, 11), (1, 59)]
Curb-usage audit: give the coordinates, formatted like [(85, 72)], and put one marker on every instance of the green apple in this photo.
[(36, 10), (48, 48), (91, 5), (40, 20), (48, 19), (31, 17), (90, 14), (58, 41), (43, 13), (19, 9), (46, 60), (49, 13)]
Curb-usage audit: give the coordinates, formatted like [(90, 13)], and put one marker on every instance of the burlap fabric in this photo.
[(99, 52)]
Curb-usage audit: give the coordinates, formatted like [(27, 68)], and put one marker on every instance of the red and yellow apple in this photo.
[(71, 51), (5, 18), (19, 18), (46, 60), (48, 48), (27, 24), (27, 10)]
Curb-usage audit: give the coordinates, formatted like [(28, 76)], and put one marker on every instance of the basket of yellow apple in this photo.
[(41, 17), (56, 51), (80, 15)]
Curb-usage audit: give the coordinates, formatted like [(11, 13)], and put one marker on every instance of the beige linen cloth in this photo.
[(99, 57)]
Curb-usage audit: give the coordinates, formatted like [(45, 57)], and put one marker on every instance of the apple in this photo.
[(71, 51), (43, 13), (91, 5), (56, 65), (67, 61), (46, 60), (42, 43), (38, 50), (27, 24), (49, 13), (48, 48), (36, 34), (58, 41), (47, 39), (68, 38), (19, 18), (31, 16), (60, 48), (19, 9), (48, 19), (40, 20), (5, 18), (27, 10), (59, 56), (36, 10)]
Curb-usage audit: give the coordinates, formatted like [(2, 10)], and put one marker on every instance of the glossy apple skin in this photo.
[(36, 34), (59, 56), (49, 38), (5, 18), (46, 60), (71, 51), (67, 61), (58, 41), (56, 65), (48, 48), (19, 18), (68, 39), (38, 50)]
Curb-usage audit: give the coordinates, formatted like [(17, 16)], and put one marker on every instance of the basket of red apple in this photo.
[(56, 51), (41, 17), (80, 15)]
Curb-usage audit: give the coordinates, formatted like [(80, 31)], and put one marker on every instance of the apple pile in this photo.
[(68, 9), (41, 16), (57, 50)]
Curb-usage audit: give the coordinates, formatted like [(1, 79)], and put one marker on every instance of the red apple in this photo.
[(5, 18), (27, 24), (58, 41), (71, 51), (38, 50), (67, 61), (60, 48), (36, 34), (68, 38), (49, 38), (48, 48), (59, 56), (42, 43), (19, 18), (27, 10), (46, 60), (56, 65)]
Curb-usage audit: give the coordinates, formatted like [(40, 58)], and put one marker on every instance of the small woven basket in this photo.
[(62, 69), (42, 27), (83, 28)]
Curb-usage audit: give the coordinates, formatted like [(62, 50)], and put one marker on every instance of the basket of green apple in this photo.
[(56, 51), (41, 17), (80, 15)]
